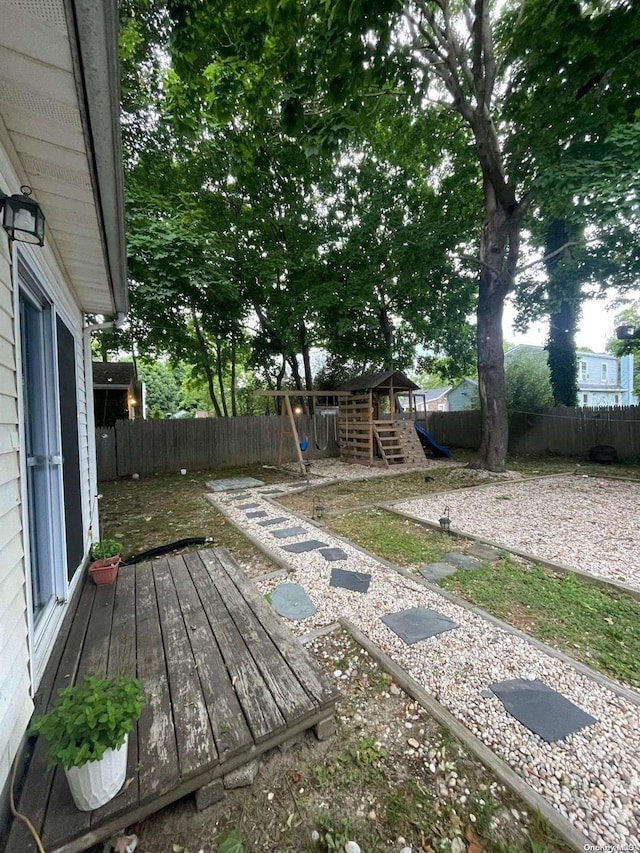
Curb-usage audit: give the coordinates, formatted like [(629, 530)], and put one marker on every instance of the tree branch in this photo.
[(548, 257)]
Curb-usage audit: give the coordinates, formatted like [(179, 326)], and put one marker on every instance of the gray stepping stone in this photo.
[(435, 571), (417, 624), (286, 532), (248, 506), (486, 553), (231, 483), (542, 710), (303, 547), (258, 513), (291, 601), (271, 491), (355, 581), (333, 554), (280, 520), (463, 561), (240, 497)]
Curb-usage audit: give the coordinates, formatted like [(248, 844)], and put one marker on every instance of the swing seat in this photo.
[(304, 445)]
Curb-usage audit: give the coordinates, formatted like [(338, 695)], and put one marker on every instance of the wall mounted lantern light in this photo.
[(22, 219)]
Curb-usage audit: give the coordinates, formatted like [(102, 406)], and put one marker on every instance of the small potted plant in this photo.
[(87, 732), (106, 560)]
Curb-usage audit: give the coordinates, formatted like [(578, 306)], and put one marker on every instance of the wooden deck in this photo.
[(224, 681)]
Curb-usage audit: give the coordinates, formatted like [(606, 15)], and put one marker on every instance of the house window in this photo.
[(584, 370), (585, 399), (603, 371), (442, 407), (616, 400)]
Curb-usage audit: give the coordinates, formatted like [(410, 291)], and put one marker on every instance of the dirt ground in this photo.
[(389, 778)]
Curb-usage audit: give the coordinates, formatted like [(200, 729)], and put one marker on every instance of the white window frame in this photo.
[(604, 369), (584, 369), (585, 399)]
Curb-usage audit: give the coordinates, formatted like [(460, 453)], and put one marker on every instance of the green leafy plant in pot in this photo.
[(106, 560), (87, 732)]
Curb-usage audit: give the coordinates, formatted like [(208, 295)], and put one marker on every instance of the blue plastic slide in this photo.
[(429, 444)]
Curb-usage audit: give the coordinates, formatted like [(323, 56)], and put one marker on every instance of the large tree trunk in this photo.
[(386, 328), (223, 396), (564, 290), (499, 250), (206, 362), (306, 361), (234, 405)]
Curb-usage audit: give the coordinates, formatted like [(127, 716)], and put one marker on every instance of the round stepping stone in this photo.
[(291, 601), (463, 561)]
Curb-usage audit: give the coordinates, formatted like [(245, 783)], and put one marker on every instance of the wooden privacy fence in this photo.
[(162, 446), (565, 431)]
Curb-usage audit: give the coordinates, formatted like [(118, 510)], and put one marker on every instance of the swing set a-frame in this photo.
[(288, 429)]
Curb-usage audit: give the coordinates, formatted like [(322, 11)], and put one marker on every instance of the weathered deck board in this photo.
[(35, 796), (318, 686), (285, 688), (260, 709), (122, 661), (157, 742), (62, 816), (196, 749), (223, 682), (228, 724)]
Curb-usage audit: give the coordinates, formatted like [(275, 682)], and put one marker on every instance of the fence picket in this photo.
[(160, 446)]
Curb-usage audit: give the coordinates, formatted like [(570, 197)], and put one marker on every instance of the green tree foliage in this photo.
[(528, 383), (579, 95)]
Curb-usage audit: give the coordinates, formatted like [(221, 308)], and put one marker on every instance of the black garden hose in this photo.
[(164, 549)]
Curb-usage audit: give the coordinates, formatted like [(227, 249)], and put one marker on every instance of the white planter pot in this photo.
[(97, 782)]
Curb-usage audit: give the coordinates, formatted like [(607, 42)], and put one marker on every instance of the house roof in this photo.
[(379, 382), (432, 393), (113, 373), (59, 121)]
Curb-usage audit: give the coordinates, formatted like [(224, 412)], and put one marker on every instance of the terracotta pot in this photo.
[(105, 571)]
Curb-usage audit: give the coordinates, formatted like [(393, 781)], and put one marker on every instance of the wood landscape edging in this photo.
[(560, 825)]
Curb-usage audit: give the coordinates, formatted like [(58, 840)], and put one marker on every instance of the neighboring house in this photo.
[(603, 379), (59, 134), (464, 396), (448, 398), (118, 394), (430, 399)]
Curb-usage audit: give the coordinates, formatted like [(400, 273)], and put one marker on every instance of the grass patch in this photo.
[(396, 539), (354, 494), (598, 626), (162, 508)]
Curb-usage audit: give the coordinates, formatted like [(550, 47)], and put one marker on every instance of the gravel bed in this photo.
[(588, 523), (591, 777), (332, 470)]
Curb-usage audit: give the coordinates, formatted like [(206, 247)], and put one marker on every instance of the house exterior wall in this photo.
[(464, 396), (19, 676), (603, 379)]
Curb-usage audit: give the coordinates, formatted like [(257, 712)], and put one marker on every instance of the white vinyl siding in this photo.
[(15, 699)]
